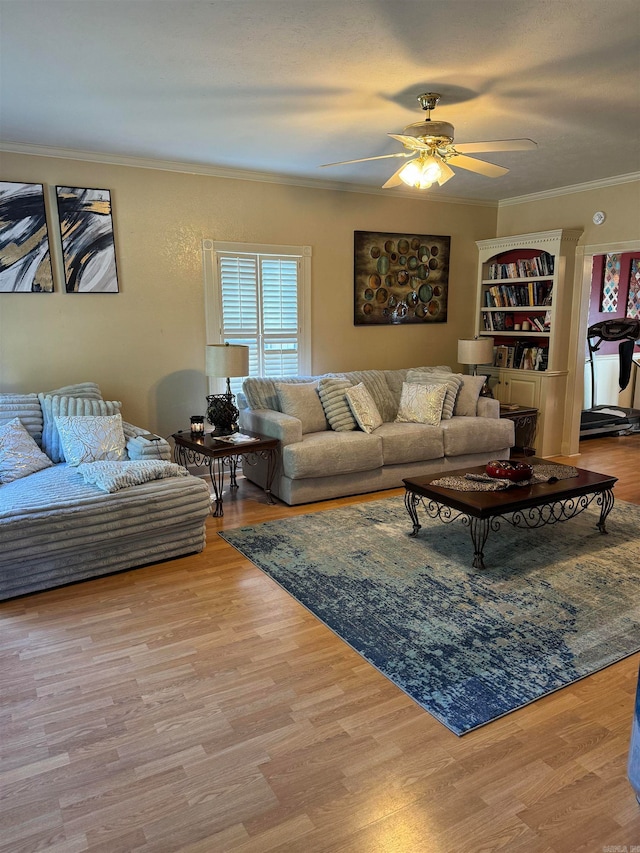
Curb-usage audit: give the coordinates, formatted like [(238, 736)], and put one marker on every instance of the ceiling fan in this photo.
[(430, 145)]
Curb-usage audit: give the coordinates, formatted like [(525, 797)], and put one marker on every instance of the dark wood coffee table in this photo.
[(215, 453), (521, 506)]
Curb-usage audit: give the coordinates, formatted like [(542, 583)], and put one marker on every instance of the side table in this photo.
[(215, 452), (526, 423)]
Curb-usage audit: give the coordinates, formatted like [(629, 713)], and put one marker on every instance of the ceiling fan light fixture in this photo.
[(422, 172)]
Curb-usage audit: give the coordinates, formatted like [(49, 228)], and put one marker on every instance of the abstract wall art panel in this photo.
[(633, 299), (25, 262), (610, 285), (88, 248), (400, 278)]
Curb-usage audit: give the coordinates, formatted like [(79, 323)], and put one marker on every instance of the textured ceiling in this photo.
[(283, 86)]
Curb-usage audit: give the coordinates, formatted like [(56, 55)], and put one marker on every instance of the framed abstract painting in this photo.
[(400, 278), (25, 259), (88, 247)]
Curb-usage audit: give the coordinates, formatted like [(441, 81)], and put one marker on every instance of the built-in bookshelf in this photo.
[(524, 304)]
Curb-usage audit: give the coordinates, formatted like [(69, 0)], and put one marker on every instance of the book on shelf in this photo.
[(518, 295), (500, 358), (523, 268)]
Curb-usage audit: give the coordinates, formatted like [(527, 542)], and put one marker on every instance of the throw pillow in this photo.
[(467, 402), (421, 404), (19, 454), (363, 407), (452, 381), (332, 392), (55, 405), (301, 400), (91, 439), (26, 407)]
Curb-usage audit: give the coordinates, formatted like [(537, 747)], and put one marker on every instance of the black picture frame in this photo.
[(24, 239), (88, 245)]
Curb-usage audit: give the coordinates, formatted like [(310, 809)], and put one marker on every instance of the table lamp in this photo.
[(225, 360), (476, 351)]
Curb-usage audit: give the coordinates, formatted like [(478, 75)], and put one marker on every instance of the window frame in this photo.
[(213, 293)]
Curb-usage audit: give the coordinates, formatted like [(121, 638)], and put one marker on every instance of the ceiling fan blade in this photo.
[(446, 173), (489, 170), (395, 179), (364, 159), (409, 141), (498, 145)]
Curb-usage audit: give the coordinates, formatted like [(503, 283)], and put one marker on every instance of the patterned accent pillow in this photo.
[(55, 405), (467, 402), (363, 407), (421, 404), (376, 384), (332, 392), (91, 439), (453, 383), (19, 454), (300, 400)]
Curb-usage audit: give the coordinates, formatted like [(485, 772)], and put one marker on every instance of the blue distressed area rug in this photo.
[(553, 605)]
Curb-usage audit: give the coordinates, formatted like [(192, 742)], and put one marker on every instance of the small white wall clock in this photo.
[(599, 217)]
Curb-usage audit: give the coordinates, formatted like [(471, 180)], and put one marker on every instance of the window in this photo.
[(259, 296)]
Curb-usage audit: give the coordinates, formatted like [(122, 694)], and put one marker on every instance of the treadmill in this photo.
[(612, 419)]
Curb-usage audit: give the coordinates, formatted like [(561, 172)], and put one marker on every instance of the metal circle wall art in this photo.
[(400, 278)]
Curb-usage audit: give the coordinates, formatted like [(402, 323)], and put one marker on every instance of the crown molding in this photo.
[(574, 188), (231, 174)]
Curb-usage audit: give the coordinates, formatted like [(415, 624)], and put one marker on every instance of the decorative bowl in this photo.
[(504, 469)]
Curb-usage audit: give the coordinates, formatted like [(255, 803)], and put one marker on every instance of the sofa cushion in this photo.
[(332, 392), (55, 405), (19, 453), (27, 408), (403, 443), (88, 390), (324, 454), (464, 435), (301, 400), (376, 384), (261, 391), (91, 439), (452, 382), (421, 404), (395, 378), (363, 407), (467, 401)]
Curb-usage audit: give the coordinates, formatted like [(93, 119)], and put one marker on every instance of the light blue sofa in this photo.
[(55, 528)]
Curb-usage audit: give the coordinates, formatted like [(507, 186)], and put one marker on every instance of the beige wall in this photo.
[(145, 345), (621, 203)]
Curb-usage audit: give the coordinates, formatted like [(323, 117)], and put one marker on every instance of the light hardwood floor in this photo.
[(194, 706)]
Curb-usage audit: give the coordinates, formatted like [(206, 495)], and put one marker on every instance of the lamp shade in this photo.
[(227, 360), (475, 351)]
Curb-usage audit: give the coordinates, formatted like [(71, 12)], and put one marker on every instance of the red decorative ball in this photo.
[(504, 469)]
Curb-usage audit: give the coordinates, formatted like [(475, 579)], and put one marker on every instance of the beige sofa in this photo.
[(317, 462)]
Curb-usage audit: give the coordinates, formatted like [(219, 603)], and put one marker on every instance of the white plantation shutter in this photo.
[(260, 298)]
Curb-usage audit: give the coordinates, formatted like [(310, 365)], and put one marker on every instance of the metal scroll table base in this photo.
[(552, 512), (216, 464)]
